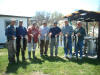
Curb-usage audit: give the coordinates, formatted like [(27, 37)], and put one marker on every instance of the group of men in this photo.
[(19, 37)]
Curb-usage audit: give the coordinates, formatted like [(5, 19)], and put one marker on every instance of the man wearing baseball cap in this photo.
[(54, 35), (11, 37), (44, 39), (33, 33), (21, 41), (80, 33), (67, 31)]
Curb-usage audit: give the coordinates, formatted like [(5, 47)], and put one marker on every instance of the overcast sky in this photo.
[(29, 7)]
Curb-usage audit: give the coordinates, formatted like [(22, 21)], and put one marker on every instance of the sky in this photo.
[(30, 7)]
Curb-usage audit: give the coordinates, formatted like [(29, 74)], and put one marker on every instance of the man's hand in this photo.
[(61, 33), (13, 37), (45, 35), (26, 36), (78, 34), (31, 35), (50, 34), (21, 36), (56, 35), (66, 35)]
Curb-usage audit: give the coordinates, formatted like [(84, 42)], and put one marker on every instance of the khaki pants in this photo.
[(11, 50), (44, 47)]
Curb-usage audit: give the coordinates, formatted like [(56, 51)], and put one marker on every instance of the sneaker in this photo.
[(80, 57), (51, 55), (34, 57), (41, 55), (55, 55), (29, 58), (46, 55), (70, 56), (65, 56)]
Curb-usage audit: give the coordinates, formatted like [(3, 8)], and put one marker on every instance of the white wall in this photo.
[(2, 26)]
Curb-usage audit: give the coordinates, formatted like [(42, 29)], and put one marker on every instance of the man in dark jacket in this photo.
[(54, 35), (21, 41), (11, 38), (79, 34)]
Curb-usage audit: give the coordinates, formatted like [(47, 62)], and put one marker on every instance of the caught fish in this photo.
[(32, 41), (56, 39), (14, 43), (61, 38), (21, 42), (49, 41), (39, 41), (66, 40), (76, 38), (45, 38)]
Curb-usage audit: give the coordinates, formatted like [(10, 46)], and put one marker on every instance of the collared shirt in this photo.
[(54, 30), (10, 31), (44, 30), (67, 29), (21, 31), (34, 32), (82, 33)]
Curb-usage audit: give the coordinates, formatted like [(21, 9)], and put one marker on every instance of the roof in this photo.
[(14, 16), (84, 15)]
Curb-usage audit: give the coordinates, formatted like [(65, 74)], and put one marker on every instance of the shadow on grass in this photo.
[(12, 68), (53, 59), (86, 60), (37, 61)]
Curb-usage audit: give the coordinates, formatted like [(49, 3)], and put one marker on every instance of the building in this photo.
[(5, 21)]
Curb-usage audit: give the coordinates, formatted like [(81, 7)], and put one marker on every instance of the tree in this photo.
[(55, 16), (42, 15), (49, 17)]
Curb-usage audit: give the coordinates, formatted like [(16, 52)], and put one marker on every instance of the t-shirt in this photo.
[(54, 30)]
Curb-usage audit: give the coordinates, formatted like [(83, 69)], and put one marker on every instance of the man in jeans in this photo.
[(80, 33), (11, 38), (54, 35), (67, 32), (44, 40)]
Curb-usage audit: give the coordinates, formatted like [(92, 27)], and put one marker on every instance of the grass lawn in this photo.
[(49, 66)]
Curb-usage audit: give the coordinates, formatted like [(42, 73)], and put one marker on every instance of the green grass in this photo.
[(49, 65)]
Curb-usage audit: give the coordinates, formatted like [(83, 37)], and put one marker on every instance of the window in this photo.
[(7, 22)]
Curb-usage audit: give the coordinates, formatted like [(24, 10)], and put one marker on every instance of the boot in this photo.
[(17, 59), (13, 59), (34, 57), (10, 60), (29, 55), (23, 56)]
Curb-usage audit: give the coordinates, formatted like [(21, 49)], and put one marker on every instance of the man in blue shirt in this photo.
[(11, 37), (67, 32), (21, 41), (44, 40), (79, 33), (54, 35)]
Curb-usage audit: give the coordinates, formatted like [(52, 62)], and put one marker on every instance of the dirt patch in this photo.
[(38, 73)]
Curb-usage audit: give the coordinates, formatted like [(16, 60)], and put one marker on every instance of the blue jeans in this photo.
[(78, 47), (68, 45)]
